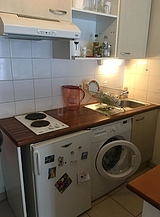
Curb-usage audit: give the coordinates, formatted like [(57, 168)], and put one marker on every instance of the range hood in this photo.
[(19, 26)]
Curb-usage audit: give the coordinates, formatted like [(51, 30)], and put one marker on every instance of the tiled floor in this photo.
[(120, 202)]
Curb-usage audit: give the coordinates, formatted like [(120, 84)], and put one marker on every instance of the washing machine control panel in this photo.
[(108, 130)]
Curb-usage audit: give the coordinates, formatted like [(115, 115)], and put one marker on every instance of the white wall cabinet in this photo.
[(92, 22), (126, 27), (133, 28), (143, 133), (153, 49), (49, 9)]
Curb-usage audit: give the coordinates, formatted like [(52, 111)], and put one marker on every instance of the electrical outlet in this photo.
[(85, 85)]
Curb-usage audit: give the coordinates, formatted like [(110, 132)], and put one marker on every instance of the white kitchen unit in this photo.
[(90, 23), (143, 133), (49, 9), (133, 28), (126, 27), (49, 178), (153, 49)]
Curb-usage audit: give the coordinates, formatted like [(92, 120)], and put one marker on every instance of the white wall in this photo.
[(31, 80)]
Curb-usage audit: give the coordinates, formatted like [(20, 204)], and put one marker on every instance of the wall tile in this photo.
[(155, 67), (59, 68), (42, 49), (131, 66), (75, 68), (6, 91), (20, 48), (23, 90), (153, 97), (141, 82), (154, 84), (58, 103), (140, 95), (5, 69), (7, 110), (24, 106), (41, 68), (4, 47), (129, 80), (143, 66), (42, 88), (56, 86), (22, 69), (44, 104)]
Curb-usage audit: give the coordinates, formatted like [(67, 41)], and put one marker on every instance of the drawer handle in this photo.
[(125, 53), (140, 119), (58, 12)]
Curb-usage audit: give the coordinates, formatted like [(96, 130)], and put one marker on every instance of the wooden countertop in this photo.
[(147, 186), (77, 120)]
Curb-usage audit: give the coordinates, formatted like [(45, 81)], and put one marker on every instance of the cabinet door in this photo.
[(13, 6), (133, 28), (48, 9), (153, 49), (143, 133)]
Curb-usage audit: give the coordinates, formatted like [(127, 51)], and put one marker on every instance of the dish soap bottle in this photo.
[(96, 46)]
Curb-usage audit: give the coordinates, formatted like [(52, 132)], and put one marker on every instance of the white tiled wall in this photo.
[(142, 77), (31, 80)]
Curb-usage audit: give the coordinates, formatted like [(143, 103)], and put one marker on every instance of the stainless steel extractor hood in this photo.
[(17, 26)]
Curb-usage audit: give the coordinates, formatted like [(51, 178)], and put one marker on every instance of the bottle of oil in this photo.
[(96, 46)]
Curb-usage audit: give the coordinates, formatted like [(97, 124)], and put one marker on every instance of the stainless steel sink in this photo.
[(125, 105), (128, 104)]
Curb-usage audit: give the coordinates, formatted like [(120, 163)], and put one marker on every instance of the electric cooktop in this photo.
[(40, 122)]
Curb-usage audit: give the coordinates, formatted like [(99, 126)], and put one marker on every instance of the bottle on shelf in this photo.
[(104, 46), (96, 47)]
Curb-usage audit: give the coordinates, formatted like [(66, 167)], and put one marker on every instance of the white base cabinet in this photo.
[(143, 133)]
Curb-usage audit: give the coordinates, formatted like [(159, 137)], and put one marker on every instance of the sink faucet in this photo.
[(124, 94)]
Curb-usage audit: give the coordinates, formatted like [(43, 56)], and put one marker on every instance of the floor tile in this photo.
[(129, 201), (5, 210), (117, 189), (99, 200), (108, 208), (137, 174)]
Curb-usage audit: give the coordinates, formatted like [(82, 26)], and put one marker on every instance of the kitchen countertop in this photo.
[(77, 120), (147, 186)]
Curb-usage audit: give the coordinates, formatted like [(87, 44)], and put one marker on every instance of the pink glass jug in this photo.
[(72, 95)]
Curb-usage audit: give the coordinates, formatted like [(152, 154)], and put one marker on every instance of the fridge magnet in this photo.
[(83, 176), (51, 172), (63, 183), (49, 159)]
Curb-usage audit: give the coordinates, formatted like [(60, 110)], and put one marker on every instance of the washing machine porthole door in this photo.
[(118, 159)]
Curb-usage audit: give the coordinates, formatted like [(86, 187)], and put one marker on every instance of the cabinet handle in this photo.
[(125, 53), (140, 119), (58, 12)]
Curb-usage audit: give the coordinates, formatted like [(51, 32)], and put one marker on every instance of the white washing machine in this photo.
[(114, 157)]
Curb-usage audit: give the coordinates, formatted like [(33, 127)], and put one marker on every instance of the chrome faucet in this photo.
[(124, 94)]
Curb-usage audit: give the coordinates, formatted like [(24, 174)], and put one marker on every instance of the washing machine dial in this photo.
[(113, 128)]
